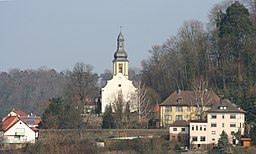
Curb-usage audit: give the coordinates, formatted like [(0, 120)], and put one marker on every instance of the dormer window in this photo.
[(223, 107), (179, 100)]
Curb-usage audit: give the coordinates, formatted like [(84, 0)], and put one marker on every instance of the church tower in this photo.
[(119, 85), (120, 62)]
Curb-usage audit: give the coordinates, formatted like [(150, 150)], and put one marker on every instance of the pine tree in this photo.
[(108, 118), (224, 144)]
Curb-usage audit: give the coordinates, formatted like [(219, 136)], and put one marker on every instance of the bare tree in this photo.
[(145, 101), (202, 96), (82, 82)]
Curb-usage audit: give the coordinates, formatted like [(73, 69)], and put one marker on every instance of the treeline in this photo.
[(223, 53), (31, 90)]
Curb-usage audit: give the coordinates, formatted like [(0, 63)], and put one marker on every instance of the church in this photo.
[(119, 85)]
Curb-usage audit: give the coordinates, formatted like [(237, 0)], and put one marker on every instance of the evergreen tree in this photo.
[(253, 134), (224, 144), (1, 126), (52, 114), (71, 118), (108, 118)]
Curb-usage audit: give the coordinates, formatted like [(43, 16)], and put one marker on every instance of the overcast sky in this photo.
[(59, 33)]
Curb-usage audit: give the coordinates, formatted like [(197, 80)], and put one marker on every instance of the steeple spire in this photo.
[(120, 61), (120, 53)]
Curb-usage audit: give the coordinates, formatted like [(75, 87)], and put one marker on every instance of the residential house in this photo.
[(198, 134), (204, 134), (179, 131), (17, 131), (32, 120), (185, 105), (225, 116)]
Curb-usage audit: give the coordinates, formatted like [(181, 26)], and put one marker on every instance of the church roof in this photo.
[(120, 54)]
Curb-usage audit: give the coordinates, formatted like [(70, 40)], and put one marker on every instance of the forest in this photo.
[(221, 52)]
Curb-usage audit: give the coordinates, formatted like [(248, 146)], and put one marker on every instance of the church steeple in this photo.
[(120, 62)]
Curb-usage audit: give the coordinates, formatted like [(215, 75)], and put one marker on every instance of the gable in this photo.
[(19, 125)]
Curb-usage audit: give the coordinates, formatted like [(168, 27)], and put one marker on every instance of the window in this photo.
[(213, 139), (202, 138), (192, 127), (222, 124), (213, 124), (232, 124), (168, 117), (178, 108), (213, 116), (223, 117), (194, 138), (174, 129), (196, 127), (201, 128), (120, 68), (188, 109), (183, 129), (204, 127), (213, 132), (232, 116), (178, 117), (168, 109)]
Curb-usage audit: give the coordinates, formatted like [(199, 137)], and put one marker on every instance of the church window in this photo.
[(119, 85), (120, 68)]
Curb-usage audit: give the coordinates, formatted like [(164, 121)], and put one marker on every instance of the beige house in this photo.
[(224, 116), (179, 131), (198, 134)]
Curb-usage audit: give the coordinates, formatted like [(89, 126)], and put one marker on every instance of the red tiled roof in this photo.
[(20, 113), (34, 128), (245, 139), (187, 98), (9, 121)]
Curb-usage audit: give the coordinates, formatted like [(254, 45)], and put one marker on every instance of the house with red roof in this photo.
[(31, 120), (17, 131)]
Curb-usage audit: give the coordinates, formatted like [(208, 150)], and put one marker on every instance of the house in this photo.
[(185, 105), (17, 131), (31, 120), (204, 134), (198, 134), (179, 131), (224, 116)]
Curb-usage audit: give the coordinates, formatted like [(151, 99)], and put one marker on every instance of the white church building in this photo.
[(119, 84)]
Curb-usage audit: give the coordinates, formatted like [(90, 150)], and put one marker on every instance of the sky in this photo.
[(57, 34)]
